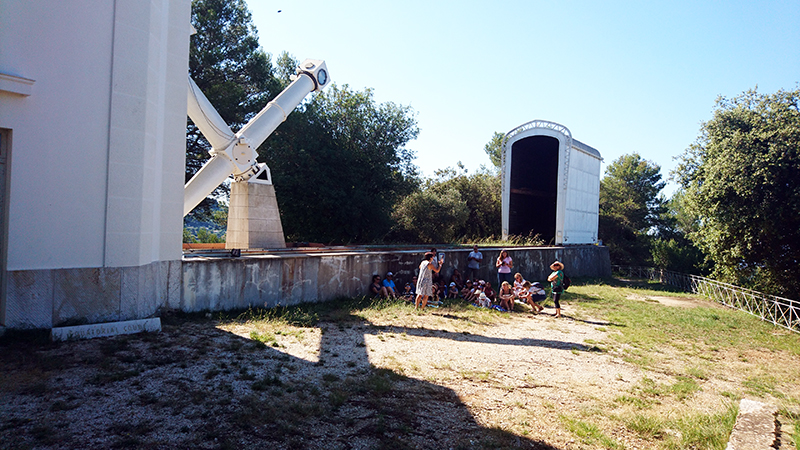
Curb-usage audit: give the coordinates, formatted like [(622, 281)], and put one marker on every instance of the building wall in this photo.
[(98, 146), (583, 198), (60, 132)]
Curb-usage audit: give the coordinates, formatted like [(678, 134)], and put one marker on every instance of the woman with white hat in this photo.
[(556, 280)]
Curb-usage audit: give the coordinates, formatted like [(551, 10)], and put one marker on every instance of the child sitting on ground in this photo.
[(518, 282), (506, 297), (532, 295), (477, 288), (467, 290), (487, 289), (408, 293), (452, 291), (434, 301), (483, 301), (442, 291)]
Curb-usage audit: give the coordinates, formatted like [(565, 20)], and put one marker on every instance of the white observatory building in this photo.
[(93, 108), (94, 98), (551, 185)]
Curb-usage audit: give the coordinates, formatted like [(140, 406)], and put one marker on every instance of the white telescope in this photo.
[(234, 154)]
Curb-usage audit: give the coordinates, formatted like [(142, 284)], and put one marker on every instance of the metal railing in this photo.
[(782, 312)]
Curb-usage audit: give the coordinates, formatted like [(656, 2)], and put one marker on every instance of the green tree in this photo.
[(339, 164), (494, 148), (432, 215), (234, 73), (480, 193), (742, 180), (671, 247), (630, 207), (454, 206), (206, 237), (188, 237)]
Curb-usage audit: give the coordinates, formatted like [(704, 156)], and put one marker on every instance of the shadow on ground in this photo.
[(195, 386)]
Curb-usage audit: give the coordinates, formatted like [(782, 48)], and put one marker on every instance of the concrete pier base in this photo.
[(63, 297), (254, 221)]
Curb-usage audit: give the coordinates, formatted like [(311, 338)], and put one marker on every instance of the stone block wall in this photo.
[(292, 278), (61, 297), (50, 298)]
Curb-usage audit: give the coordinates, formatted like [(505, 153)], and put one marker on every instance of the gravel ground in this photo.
[(388, 379)]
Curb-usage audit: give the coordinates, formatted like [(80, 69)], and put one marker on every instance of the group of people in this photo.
[(525, 291), (429, 288)]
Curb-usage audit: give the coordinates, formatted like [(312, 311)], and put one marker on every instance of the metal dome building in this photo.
[(550, 184)]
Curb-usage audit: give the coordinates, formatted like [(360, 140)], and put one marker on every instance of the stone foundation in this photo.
[(51, 298), (272, 279), (64, 297)]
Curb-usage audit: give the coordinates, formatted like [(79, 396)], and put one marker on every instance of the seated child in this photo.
[(466, 290), (518, 282), (408, 293), (452, 291), (533, 294), (487, 289), (456, 278), (477, 288), (434, 301), (483, 301), (506, 297)]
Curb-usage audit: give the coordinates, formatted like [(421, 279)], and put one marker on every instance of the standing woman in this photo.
[(556, 280), (504, 265), (425, 279)]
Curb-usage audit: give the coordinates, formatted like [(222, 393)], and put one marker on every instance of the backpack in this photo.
[(566, 282)]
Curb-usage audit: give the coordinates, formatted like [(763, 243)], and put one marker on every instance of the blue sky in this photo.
[(623, 76)]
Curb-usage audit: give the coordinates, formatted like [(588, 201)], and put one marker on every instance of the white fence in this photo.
[(782, 312)]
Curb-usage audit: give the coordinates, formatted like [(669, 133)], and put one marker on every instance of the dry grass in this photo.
[(354, 374)]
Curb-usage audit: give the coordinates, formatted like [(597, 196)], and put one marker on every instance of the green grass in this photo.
[(512, 241), (704, 431), (589, 433), (647, 426), (681, 389), (796, 434), (696, 431), (268, 339), (646, 325), (762, 385), (679, 347)]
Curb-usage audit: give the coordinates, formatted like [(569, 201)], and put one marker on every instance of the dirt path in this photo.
[(385, 379)]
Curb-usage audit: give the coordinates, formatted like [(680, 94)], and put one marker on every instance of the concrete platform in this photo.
[(755, 427), (215, 280)]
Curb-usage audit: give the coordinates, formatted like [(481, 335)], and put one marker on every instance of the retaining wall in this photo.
[(288, 278)]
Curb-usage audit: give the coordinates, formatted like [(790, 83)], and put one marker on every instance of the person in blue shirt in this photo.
[(388, 283)]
